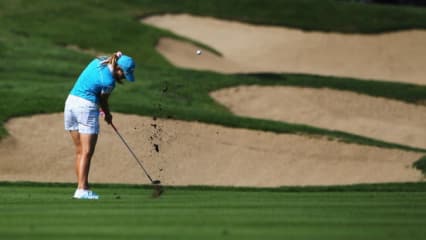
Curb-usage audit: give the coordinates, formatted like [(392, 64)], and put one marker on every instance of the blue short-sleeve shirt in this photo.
[(95, 79)]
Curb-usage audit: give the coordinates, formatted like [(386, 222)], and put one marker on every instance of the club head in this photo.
[(155, 182)]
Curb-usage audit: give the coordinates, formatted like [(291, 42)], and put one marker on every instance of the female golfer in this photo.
[(81, 115)]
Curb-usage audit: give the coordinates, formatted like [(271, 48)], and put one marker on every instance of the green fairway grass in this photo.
[(46, 211)]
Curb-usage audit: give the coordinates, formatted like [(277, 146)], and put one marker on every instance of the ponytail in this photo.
[(112, 60)]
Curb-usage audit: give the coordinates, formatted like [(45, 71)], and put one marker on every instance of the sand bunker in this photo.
[(379, 118), (398, 56), (192, 153)]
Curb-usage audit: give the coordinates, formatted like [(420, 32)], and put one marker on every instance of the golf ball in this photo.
[(199, 52)]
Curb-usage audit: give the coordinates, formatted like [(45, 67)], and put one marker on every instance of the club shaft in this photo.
[(131, 152)]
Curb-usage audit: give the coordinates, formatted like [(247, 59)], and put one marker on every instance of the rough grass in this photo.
[(310, 15)]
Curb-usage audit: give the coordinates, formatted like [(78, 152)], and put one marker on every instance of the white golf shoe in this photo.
[(85, 194)]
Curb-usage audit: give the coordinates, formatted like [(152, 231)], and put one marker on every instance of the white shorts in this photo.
[(81, 115)]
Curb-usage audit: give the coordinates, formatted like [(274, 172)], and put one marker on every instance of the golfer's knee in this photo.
[(87, 154), (78, 151)]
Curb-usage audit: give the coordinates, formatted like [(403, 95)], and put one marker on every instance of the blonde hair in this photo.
[(113, 61)]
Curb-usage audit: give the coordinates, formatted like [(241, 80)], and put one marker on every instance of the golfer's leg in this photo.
[(75, 135), (88, 144)]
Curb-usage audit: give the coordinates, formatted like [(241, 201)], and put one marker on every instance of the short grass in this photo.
[(46, 211)]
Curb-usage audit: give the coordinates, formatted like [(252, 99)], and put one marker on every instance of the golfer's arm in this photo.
[(104, 103)]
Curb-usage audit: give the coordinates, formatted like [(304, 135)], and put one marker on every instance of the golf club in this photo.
[(158, 189)]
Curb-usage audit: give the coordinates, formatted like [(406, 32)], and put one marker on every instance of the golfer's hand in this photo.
[(108, 118)]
